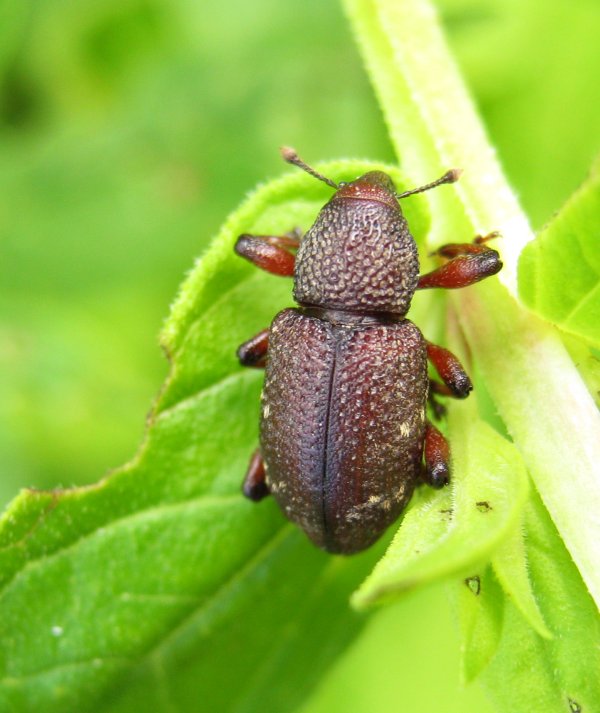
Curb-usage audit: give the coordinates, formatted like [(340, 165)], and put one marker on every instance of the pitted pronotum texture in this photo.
[(358, 256)]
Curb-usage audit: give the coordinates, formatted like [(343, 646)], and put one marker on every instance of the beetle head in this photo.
[(371, 186)]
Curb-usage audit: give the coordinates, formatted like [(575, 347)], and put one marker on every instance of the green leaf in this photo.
[(559, 272), (511, 569), (557, 675), (161, 580), (453, 532), (481, 609), (587, 361)]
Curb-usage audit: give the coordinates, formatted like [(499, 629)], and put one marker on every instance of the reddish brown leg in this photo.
[(468, 263), (254, 351), (270, 252), (255, 485), (456, 381), (289, 241), (451, 250), (437, 458)]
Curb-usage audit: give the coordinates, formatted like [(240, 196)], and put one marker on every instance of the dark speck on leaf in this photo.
[(474, 584)]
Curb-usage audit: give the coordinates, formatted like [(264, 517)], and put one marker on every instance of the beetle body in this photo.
[(343, 428)]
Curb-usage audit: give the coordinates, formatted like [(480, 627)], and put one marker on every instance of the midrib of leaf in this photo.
[(592, 295), (220, 595), (163, 688), (261, 674), (118, 660), (433, 126)]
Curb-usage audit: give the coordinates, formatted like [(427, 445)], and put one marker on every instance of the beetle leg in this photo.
[(270, 252), (455, 378), (255, 485), (437, 458), (289, 241), (468, 263), (254, 351), (451, 250)]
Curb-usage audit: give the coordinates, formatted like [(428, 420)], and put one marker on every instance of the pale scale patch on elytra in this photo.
[(398, 494), (375, 501), (353, 515)]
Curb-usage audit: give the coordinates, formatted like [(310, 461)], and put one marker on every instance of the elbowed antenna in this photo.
[(292, 157), (449, 177)]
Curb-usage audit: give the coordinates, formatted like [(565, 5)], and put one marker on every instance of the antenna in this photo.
[(449, 177), (288, 154)]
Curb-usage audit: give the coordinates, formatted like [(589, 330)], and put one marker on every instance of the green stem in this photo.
[(535, 385)]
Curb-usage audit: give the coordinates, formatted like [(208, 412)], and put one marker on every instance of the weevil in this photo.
[(344, 436)]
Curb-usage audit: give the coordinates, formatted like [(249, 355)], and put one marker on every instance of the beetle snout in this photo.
[(371, 186), (379, 179)]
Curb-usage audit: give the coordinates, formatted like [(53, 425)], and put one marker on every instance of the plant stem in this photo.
[(535, 385)]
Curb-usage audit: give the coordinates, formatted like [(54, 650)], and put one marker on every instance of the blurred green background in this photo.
[(129, 129)]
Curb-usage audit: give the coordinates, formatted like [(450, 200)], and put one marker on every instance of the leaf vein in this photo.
[(580, 302), (147, 513), (94, 662)]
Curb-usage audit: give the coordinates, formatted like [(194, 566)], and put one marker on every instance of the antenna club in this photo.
[(288, 154), (449, 177)]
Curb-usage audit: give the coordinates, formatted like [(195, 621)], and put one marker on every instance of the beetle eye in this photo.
[(341, 184)]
